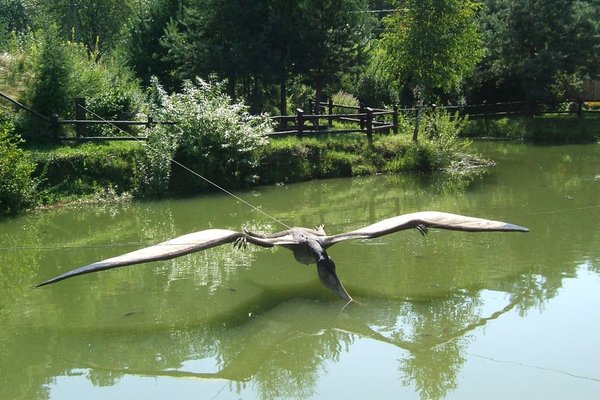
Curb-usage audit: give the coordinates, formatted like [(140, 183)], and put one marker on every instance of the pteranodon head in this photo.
[(327, 275)]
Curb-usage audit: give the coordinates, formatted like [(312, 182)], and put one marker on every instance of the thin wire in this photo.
[(68, 247), (520, 364), (193, 172)]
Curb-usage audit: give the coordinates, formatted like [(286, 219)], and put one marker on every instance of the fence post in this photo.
[(54, 126), (418, 120), (433, 120), (80, 108), (531, 108), (395, 119), (330, 109), (579, 108), (485, 116), (369, 118), (361, 111), (150, 122), (300, 121)]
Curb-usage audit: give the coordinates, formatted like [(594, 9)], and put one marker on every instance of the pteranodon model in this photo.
[(309, 245)]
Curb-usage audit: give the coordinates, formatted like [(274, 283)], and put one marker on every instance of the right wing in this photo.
[(426, 219), (179, 246)]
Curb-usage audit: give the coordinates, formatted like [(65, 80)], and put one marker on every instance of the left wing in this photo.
[(163, 251), (427, 219)]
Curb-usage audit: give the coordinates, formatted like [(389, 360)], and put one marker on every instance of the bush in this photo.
[(547, 129), (419, 156), (286, 160), (51, 73), (344, 99), (17, 187), (110, 89), (443, 129), (213, 137), (50, 89)]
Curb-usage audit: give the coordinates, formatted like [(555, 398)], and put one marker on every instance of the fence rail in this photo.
[(365, 120), (369, 120), (23, 107), (320, 118)]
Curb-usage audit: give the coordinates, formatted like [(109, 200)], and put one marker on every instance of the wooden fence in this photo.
[(20, 106), (81, 122), (319, 119), (361, 119), (368, 120)]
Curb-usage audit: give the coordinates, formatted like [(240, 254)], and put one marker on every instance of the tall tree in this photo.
[(218, 36), (97, 24), (253, 44), (50, 90), (142, 46), (537, 47), (283, 48), (431, 45), (13, 16), (335, 39)]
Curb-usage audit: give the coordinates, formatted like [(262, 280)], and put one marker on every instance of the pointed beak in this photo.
[(327, 275)]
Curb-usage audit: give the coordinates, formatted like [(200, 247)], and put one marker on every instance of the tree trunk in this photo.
[(318, 95), (283, 102), (283, 96), (418, 120), (418, 93), (257, 103), (231, 87)]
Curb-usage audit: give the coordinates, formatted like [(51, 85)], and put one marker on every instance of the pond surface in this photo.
[(451, 315)]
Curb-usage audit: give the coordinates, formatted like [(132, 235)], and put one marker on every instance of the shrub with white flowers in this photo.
[(211, 135)]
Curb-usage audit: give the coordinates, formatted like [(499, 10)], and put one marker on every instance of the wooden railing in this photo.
[(319, 119), (366, 120)]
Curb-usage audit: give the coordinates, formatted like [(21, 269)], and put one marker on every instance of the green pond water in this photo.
[(452, 315)]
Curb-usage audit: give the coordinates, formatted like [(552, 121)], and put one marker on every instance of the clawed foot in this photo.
[(422, 229), (241, 242), (320, 229)]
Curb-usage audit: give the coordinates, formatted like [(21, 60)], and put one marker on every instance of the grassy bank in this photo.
[(108, 172), (292, 160), (547, 129), (103, 172), (85, 172)]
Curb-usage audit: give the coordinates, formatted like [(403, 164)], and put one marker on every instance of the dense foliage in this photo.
[(431, 45), (255, 45), (96, 24), (271, 51), (50, 89), (212, 136), (17, 187), (51, 73), (273, 56), (538, 49)]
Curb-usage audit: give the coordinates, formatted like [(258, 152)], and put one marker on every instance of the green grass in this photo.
[(292, 159), (73, 172), (101, 172), (97, 171)]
